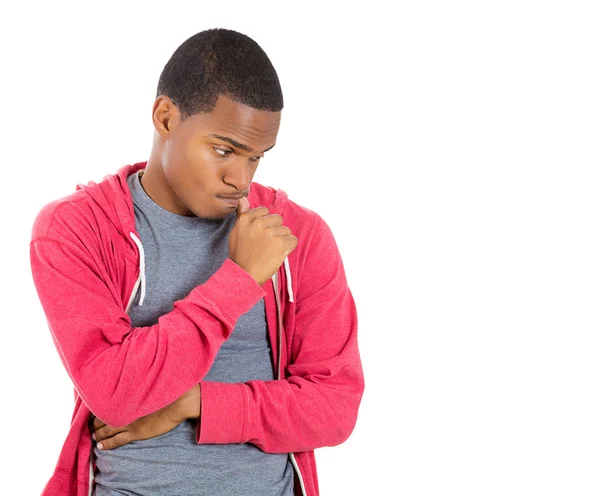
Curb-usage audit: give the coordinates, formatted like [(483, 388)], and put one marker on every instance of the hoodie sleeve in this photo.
[(317, 403), (122, 372)]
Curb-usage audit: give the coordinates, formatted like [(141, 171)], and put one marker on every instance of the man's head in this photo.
[(217, 110)]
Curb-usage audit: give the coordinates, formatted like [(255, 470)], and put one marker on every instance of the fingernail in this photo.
[(94, 436), (100, 446)]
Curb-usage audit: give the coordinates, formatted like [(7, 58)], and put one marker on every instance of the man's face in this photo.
[(214, 155)]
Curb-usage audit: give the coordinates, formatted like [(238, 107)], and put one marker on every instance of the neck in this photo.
[(156, 186)]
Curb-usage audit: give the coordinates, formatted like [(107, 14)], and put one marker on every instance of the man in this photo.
[(204, 319)]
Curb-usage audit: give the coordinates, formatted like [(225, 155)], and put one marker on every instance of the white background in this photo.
[(453, 149)]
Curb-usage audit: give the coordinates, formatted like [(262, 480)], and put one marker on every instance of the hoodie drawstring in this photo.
[(142, 265), (288, 276), (286, 263)]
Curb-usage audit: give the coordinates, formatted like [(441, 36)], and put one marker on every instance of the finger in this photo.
[(294, 242), (121, 439), (255, 212), (243, 206), (106, 432), (281, 231), (97, 423), (270, 220)]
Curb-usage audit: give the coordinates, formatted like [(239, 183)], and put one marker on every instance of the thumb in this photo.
[(243, 206)]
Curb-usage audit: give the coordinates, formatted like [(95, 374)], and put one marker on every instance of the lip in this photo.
[(230, 201)]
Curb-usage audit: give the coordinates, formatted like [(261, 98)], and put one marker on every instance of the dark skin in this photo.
[(189, 167), (194, 162)]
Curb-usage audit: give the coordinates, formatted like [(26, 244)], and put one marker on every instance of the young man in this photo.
[(204, 319)]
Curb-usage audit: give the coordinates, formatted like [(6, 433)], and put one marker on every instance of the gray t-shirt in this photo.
[(181, 253)]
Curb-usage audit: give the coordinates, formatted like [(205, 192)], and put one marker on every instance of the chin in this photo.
[(216, 216)]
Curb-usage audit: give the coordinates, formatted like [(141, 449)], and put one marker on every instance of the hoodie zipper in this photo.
[(280, 352)]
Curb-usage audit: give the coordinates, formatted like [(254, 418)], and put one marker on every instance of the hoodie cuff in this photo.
[(223, 414), (232, 290)]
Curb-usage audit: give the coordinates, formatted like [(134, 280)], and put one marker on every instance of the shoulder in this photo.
[(278, 201), (305, 223), (58, 216)]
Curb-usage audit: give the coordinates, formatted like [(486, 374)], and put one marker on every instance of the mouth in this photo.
[(231, 201)]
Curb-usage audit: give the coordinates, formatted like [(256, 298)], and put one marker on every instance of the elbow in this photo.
[(115, 406), (348, 427), (113, 413), (112, 417), (340, 433), (343, 428)]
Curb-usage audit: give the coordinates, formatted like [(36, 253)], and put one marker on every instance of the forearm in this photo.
[(316, 404), (296, 414), (189, 405)]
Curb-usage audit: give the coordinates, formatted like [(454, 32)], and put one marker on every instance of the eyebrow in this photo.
[(236, 144)]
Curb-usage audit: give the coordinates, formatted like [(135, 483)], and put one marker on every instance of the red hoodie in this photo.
[(87, 264)]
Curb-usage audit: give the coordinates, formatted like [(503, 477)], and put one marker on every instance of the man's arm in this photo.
[(315, 406), (317, 403), (122, 372)]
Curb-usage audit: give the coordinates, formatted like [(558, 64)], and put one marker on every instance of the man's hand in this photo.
[(160, 422), (258, 242)]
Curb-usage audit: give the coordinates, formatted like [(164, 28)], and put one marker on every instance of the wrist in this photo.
[(189, 404)]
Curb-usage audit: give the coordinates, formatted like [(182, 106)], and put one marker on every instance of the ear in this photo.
[(164, 115)]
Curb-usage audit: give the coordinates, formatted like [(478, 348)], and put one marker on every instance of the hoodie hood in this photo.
[(113, 196)]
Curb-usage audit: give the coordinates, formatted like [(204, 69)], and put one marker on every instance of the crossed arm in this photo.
[(141, 382)]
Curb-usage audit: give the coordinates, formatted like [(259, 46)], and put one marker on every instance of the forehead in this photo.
[(236, 120)]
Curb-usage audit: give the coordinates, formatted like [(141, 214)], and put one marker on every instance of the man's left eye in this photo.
[(222, 152)]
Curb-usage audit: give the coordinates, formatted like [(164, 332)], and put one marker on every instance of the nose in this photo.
[(239, 175)]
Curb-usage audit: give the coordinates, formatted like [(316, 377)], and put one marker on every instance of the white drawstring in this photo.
[(288, 276), (142, 265)]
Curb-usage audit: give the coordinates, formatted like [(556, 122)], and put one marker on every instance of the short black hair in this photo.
[(220, 62)]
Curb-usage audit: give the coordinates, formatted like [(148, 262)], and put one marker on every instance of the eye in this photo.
[(221, 152), (256, 159)]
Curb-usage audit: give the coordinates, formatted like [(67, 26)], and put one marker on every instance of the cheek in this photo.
[(197, 168), (198, 157), (203, 158), (173, 158), (186, 160)]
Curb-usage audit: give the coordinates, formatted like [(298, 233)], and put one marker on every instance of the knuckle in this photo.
[(101, 434), (120, 439), (112, 443)]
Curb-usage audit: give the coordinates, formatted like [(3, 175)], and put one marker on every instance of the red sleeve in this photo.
[(121, 372), (317, 403)]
